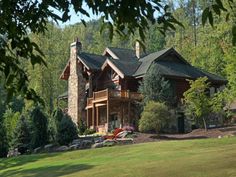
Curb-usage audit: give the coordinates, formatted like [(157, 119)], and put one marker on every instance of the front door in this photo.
[(114, 121)]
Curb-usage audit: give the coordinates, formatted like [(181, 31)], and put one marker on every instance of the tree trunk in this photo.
[(204, 122)]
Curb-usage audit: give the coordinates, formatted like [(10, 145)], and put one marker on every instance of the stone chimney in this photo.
[(137, 49), (75, 83)]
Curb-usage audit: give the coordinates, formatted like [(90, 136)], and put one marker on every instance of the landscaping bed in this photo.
[(195, 134)]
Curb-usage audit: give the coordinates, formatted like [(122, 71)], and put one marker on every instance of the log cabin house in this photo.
[(103, 89)]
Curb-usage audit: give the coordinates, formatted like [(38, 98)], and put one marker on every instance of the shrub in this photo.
[(3, 143), (81, 127), (67, 131), (10, 121), (22, 135), (39, 127), (57, 115), (89, 131), (154, 117), (52, 129)]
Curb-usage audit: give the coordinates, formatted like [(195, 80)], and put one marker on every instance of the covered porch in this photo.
[(110, 109)]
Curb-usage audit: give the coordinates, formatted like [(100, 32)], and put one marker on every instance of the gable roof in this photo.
[(125, 63), (92, 61)]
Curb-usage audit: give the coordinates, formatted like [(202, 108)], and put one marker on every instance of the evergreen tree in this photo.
[(155, 88), (22, 135), (39, 127), (67, 131), (4, 142)]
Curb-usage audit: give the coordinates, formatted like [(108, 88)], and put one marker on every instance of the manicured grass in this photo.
[(190, 158)]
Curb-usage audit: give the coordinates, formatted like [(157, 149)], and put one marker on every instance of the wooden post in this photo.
[(93, 116), (97, 115), (87, 117), (108, 113), (129, 112), (122, 114)]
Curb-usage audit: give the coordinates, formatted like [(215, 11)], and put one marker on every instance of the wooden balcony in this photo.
[(104, 95)]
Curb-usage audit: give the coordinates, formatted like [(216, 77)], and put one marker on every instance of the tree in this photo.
[(22, 135), (217, 7), (197, 103), (19, 18), (154, 117), (67, 131), (4, 141), (39, 123), (155, 88), (10, 121)]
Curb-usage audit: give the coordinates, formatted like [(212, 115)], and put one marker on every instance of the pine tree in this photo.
[(39, 127), (3, 143), (155, 88), (22, 135), (67, 131)]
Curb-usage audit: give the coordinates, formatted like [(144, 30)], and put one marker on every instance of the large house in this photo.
[(103, 89)]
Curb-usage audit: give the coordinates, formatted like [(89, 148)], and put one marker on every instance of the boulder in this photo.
[(76, 141), (97, 145), (49, 147), (123, 141), (38, 150), (62, 148), (74, 146), (86, 144), (98, 139), (109, 142)]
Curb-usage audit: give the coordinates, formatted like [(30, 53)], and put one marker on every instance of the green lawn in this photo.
[(207, 157)]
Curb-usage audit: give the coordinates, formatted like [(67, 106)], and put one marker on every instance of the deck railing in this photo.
[(105, 94)]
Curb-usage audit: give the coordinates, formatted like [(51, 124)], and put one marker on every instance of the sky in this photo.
[(77, 18)]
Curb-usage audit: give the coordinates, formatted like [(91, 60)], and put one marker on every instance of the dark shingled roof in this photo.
[(93, 61), (126, 67), (124, 54), (175, 69), (129, 65), (147, 61)]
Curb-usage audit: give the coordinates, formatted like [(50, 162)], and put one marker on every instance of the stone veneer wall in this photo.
[(76, 86), (73, 85)]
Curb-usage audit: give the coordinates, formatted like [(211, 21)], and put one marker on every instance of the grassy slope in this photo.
[(208, 157)]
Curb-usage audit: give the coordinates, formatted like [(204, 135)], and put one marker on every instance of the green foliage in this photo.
[(39, 123), (155, 88), (218, 7), (89, 131), (199, 105), (154, 117), (81, 127), (58, 115), (10, 122), (67, 131), (22, 135), (52, 129), (4, 141)]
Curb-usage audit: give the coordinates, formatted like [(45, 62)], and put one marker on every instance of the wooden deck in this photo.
[(104, 95)]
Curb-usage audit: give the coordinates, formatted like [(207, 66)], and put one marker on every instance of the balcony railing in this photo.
[(105, 94)]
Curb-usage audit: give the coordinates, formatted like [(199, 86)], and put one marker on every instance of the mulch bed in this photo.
[(195, 134)]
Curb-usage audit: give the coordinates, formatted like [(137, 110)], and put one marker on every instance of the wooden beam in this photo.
[(87, 111), (93, 116), (129, 112), (97, 115), (108, 113)]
